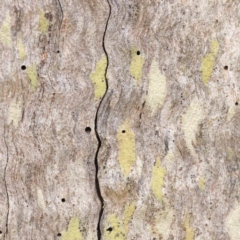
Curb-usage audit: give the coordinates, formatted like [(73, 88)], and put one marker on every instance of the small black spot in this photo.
[(138, 53), (88, 129), (226, 67), (0, 232), (63, 200), (123, 131), (58, 51), (236, 103), (59, 234), (110, 229), (23, 67)]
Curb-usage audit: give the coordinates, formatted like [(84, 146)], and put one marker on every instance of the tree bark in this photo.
[(169, 161), (119, 120), (47, 158)]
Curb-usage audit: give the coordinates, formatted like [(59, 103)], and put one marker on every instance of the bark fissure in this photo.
[(96, 129), (5, 182)]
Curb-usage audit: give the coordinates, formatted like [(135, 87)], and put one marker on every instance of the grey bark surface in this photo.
[(157, 83), (46, 155), (192, 48)]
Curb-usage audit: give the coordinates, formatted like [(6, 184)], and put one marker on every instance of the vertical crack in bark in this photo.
[(5, 182), (96, 129)]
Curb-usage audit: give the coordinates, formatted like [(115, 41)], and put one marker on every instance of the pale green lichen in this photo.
[(98, 78), (43, 22), (73, 232), (208, 62), (21, 49), (32, 74), (189, 230), (119, 228), (5, 31), (126, 146), (157, 182), (136, 66)]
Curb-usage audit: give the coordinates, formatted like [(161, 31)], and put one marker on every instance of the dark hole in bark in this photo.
[(138, 52), (23, 67), (226, 67), (109, 229), (59, 235), (88, 129), (63, 200), (123, 131), (236, 103)]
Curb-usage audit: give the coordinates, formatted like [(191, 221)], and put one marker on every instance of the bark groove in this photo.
[(98, 188)]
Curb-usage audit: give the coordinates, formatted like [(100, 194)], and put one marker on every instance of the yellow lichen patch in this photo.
[(157, 182), (129, 210), (15, 112), (201, 183), (157, 88), (43, 22), (230, 153), (114, 230), (191, 121), (98, 78), (73, 232), (232, 222), (136, 66), (214, 47), (208, 62), (32, 74), (126, 145), (162, 223), (21, 49), (207, 67), (189, 230), (5, 31), (41, 202)]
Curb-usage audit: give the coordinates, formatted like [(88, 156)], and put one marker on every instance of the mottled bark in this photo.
[(127, 105), (47, 157), (174, 172)]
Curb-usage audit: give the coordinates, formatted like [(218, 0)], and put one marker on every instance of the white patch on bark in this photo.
[(191, 120), (15, 112), (41, 202), (157, 88), (232, 222)]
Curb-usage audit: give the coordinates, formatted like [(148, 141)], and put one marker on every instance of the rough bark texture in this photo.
[(157, 84), (47, 157)]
